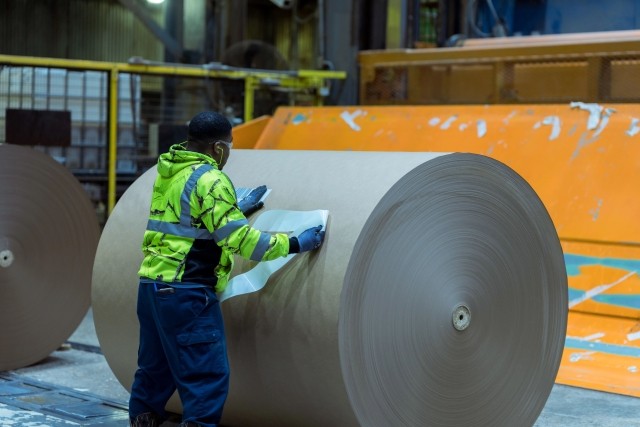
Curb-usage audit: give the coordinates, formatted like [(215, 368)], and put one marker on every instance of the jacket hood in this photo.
[(178, 158)]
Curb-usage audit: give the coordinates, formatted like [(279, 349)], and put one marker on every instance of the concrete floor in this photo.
[(82, 371)]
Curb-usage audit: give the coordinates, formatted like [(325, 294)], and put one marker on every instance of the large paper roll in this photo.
[(438, 298), (48, 238)]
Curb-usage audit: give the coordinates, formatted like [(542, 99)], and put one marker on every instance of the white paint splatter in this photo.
[(585, 355), (594, 113), (598, 116), (634, 129), (595, 213), (509, 117), (633, 336), (582, 142), (463, 126), (447, 124), (482, 128), (597, 290), (604, 121), (349, 119), (299, 118), (554, 122), (598, 121), (434, 121), (632, 369), (593, 337)]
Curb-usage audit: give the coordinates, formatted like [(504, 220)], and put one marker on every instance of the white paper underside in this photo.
[(276, 221)]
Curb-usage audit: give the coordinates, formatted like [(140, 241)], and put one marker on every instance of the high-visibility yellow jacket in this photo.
[(195, 226)]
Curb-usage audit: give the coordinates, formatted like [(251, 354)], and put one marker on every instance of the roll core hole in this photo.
[(6, 258), (461, 317)]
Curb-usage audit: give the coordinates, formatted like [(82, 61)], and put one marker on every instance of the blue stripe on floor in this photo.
[(616, 349)]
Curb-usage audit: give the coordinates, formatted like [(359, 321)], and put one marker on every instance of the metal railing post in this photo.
[(249, 88), (113, 138)]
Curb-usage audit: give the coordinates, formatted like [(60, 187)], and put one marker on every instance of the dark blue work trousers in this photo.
[(182, 346)]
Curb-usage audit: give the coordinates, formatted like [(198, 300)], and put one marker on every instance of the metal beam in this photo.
[(170, 43), (301, 78)]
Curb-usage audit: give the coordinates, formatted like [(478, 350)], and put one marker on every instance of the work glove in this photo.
[(311, 239), (251, 202)]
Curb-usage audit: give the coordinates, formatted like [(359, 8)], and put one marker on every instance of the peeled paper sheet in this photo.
[(243, 192), (48, 237), (277, 222), (439, 296)]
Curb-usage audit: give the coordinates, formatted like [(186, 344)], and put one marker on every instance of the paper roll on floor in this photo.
[(48, 237), (438, 298)]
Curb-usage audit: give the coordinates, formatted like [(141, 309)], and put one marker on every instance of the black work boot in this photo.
[(148, 419)]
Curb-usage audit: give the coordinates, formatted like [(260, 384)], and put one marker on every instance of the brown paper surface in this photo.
[(48, 238)]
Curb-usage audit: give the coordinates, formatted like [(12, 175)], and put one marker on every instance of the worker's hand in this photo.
[(311, 239), (251, 202)]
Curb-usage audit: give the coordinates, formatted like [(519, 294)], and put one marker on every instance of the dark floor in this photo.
[(75, 386)]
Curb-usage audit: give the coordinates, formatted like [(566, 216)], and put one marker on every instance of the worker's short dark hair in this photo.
[(208, 126)]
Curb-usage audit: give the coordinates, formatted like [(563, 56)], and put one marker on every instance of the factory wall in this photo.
[(76, 29)]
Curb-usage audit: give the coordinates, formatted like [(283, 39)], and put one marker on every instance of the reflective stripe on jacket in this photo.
[(195, 225)]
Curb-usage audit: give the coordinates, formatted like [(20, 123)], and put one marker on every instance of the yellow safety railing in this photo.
[(313, 81)]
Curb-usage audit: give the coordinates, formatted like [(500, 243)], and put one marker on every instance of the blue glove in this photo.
[(311, 239), (251, 203)]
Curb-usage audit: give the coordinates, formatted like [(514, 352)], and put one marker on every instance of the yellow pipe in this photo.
[(55, 63), (113, 139), (249, 87), (394, 24), (307, 77)]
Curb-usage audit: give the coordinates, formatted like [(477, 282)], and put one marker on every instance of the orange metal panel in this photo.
[(584, 176), (603, 278), (601, 353), (247, 134)]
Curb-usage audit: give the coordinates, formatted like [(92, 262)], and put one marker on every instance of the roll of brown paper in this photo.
[(438, 298), (48, 238)]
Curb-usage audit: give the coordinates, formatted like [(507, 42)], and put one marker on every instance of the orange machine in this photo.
[(582, 159)]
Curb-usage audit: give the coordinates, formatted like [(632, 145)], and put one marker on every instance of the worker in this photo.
[(196, 226)]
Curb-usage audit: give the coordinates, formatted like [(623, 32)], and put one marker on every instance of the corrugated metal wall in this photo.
[(276, 27), (306, 42), (101, 30)]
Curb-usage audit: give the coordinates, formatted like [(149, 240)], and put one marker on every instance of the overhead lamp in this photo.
[(283, 4), (155, 1)]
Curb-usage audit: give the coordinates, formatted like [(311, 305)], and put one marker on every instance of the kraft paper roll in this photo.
[(438, 298), (48, 238)]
